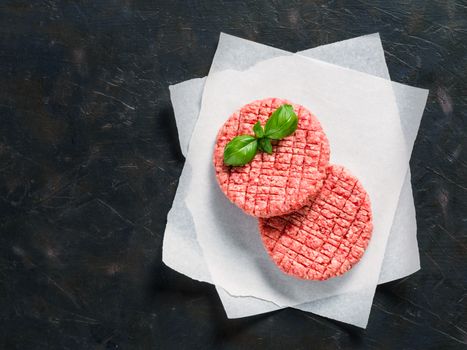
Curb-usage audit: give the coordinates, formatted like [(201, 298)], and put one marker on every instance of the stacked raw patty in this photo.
[(281, 182), (315, 218), (327, 236)]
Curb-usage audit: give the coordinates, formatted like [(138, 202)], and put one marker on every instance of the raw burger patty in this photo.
[(328, 236), (281, 182)]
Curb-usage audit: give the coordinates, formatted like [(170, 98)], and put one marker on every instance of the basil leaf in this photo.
[(258, 129), (282, 122), (240, 150), (265, 145)]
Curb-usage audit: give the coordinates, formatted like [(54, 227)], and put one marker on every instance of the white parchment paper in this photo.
[(360, 117), (370, 45)]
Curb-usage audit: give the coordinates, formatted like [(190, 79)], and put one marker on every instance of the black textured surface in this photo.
[(89, 163)]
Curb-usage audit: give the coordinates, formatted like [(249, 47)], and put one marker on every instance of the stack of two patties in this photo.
[(314, 217)]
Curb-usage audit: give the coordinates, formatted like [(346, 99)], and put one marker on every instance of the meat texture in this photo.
[(328, 236), (281, 182)]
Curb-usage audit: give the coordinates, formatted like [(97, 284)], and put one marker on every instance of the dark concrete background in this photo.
[(89, 164)]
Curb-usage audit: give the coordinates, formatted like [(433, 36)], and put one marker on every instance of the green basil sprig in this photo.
[(242, 149)]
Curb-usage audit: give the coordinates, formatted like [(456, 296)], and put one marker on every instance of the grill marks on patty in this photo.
[(328, 236), (315, 219), (281, 182)]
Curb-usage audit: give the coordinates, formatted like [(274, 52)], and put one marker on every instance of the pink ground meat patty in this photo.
[(328, 236), (281, 182)]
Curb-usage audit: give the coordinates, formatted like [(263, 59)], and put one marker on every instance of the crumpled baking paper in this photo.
[(192, 89)]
